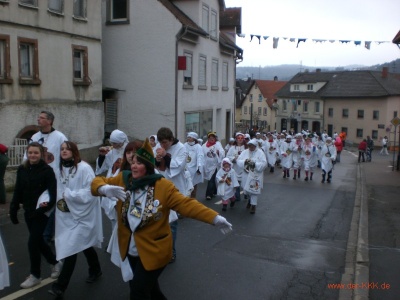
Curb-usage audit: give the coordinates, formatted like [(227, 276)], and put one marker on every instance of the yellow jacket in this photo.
[(154, 239)]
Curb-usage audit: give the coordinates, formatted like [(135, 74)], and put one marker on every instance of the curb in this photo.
[(357, 255)]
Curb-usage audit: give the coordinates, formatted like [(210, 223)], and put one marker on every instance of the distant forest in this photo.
[(286, 72)]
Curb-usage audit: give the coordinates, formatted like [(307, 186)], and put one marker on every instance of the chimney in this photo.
[(384, 72), (318, 70), (275, 78)]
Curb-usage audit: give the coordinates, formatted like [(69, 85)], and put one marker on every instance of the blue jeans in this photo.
[(211, 186), (237, 193)]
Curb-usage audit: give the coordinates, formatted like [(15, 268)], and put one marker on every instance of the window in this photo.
[(214, 24), (310, 87), (259, 111), (202, 72), (187, 74), (395, 114), (119, 10), (225, 85), (344, 129), (316, 107), (29, 2), (284, 106), (305, 106), (345, 113), (5, 65), (80, 9), (375, 115), (28, 61), (360, 114), (205, 18), (294, 105), (214, 74), (296, 87), (360, 133), (245, 110), (56, 6), (199, 122), (260, 98), (251, 97), (265, 110), (80, 65), (330, 112), (374, 134)]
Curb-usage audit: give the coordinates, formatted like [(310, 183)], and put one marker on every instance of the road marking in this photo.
[(23, 292)]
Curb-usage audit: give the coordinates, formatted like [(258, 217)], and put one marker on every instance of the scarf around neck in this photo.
[(134, 184)]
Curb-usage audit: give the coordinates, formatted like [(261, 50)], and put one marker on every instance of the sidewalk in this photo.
[(373, 256)]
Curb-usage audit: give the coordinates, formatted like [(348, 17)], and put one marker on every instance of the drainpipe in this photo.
[(179, 36)]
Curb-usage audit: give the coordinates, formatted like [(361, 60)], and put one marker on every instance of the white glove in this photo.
[(222, 224), (113, 191)]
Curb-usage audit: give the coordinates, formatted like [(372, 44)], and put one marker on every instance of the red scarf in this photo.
[(209, 144)]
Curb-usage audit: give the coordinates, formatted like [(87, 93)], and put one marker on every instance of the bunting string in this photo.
[(275, 40)]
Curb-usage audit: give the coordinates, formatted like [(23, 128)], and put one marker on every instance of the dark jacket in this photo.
[(31, 182)]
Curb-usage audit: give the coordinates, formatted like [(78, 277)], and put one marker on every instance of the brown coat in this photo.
[(154, 240)]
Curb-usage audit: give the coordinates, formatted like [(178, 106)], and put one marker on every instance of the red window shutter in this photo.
[(181, 62)]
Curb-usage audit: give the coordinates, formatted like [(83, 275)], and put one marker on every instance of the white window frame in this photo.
[(214, 24), (80, 64), (56, 6), (80, 7), (202, 72), (265, 111), (260, 98), (205, 18), (317, 107), (245, 110), (296, 87), (310, 87), (259, 111), (188, 73), (225, 72), (305, 106), (214, 74)]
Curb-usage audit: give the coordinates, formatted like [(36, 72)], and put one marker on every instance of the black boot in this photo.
[(224, 207), (272, 170), (298, 173), (284, 173), (323, 178), (311, 176), (329, 178), (294, 176)]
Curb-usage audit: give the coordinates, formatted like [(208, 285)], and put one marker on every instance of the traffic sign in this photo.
[(395, 121)]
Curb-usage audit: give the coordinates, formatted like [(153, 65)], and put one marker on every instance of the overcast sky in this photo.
[(355, 20)]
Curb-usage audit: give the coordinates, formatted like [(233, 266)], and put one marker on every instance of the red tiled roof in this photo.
[(268, 88)]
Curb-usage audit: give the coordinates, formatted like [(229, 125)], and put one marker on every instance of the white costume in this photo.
[(81, 227), (253, 163), (52, 142), (4, 275), (112, 164), (230, 182), (213, 156), (297, 152), (286, 154), (194, 162), (233, 154), (270, 150), (327, 155), (309, 156)]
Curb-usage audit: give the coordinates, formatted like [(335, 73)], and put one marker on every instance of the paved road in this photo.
[(292, 248)]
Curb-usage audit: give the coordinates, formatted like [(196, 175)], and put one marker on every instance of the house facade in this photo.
[(258, 109), (166, 63), (50, 59), (360, 103)]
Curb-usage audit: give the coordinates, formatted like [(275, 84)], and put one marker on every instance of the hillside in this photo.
[(286, 72)]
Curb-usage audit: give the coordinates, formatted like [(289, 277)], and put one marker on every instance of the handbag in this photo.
[(253, 183)]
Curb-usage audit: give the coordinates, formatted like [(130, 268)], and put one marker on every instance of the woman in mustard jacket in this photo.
[(143, 232)]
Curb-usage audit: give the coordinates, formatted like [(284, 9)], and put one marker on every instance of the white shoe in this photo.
[(56, 270), (30, 281)]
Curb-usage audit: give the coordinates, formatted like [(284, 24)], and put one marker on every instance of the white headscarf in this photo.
[(118, 137)]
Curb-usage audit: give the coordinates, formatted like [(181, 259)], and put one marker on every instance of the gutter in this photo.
[(179, 36)]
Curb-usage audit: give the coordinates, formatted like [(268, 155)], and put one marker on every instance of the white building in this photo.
[(50, 59), (166, 63)]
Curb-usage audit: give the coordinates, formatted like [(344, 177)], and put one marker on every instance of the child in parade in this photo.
[(309, 157), (238, 147), (327, 156), (227, 183)]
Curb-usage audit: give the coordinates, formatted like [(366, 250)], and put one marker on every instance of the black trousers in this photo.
[(36, 244), (361, 154), (69, 266), (212, 186), (144, 285)]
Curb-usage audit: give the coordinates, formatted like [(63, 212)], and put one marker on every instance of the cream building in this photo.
[(258, 109), (168, 63), (361, 103), (50, 59)]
